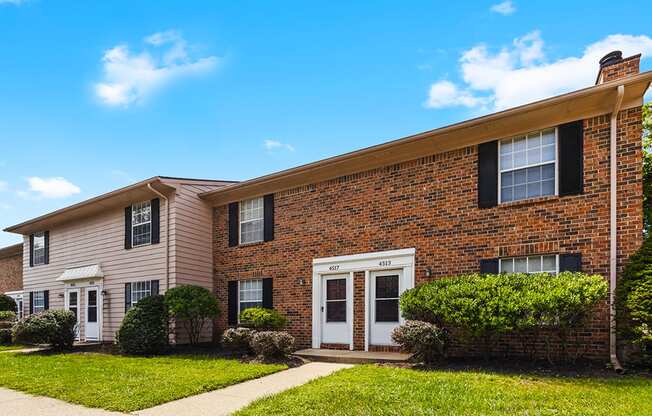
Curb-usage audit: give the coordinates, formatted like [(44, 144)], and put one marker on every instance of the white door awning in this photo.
[(78, 273)]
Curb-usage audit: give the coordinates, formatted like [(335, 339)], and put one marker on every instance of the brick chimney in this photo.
[(614, 66)]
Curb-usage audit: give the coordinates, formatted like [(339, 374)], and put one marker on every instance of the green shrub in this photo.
[(192, 306), (262, 319), (7, 303), (272, 344), (55, 327), (634, 301), (144, 330), (237, 339), (425, 340), (490, 305), (7, 317)]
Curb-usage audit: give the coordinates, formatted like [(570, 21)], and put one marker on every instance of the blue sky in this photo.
[(96, 95)]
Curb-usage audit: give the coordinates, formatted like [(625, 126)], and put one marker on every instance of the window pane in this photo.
[(534, 264), (506, 146), (520, 265), (548, 171), (549, 264), (387, 286), (534, 140), (507, 265), (335, 289), (506, 195), (520, 176), (506, 179), (548, 153), (519, 192), (548, 137), (534, 174), (533, 189), (548, 187), (336, 311), (519, 144), (387, 310), (506, 162), (520, 159)]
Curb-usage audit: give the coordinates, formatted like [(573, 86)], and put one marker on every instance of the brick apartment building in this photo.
[(332, 244), (11, 272)]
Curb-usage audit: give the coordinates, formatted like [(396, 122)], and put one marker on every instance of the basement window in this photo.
[(530, 264)]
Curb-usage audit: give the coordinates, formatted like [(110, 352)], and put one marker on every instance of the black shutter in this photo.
[(269, 217), (570, 262), (489, 266), (156, 220), (153, 285), (46, 300), (128, 227), (127, 296), (234, 207), (268, 293), (571, 160), (46, 237), (233, 302), (31, 251), (31, 303), (488, 174)]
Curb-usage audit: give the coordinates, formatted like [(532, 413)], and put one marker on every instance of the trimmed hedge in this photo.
[(144, 330), (237, 339), (7, 303), (486, 306), (270, 345), (55, 327), (634, 302), (425, 340), (262, 319)]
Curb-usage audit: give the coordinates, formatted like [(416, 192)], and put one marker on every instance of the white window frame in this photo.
[(134, 224), (38, 295), (145, 291), (40, 235), (556, 163), (527, 264), (241, 221), (260, 281)]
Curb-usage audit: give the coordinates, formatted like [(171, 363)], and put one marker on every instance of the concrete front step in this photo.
[(352, 357)]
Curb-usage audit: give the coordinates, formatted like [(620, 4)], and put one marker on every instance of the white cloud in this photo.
[(505, 8), (271, 145), (56, 187), (520, 73), (132, 77)]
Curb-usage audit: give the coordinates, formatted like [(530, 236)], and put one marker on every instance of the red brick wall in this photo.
[(11, 272), (431, 204)]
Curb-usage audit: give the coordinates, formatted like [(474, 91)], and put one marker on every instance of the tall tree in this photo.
[(647, 167)]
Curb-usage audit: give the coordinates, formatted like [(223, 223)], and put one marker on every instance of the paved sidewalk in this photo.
[(15, 403), (232, 398)]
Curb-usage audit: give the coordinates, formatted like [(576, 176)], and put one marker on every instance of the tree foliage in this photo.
[(191, 306), (7, 303), (647, 167), (262, 319)]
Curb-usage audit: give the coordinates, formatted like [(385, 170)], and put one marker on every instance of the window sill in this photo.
[(253, 243), (529, 201), (142, 245)]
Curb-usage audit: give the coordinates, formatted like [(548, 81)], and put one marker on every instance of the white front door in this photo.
[(384, 316), (72, 304), (92, 325), (336, 325)]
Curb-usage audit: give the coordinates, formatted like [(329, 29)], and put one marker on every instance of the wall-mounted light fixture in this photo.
[(301, 281), (428, 272), (60, 295)]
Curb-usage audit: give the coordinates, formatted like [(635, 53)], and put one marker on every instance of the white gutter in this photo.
[(613, 242), (167, 235)]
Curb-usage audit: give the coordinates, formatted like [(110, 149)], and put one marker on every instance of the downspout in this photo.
[(613, 242), (167, 235)]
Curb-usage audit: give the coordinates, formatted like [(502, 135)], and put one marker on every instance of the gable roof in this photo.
[(588, 102), (138, 191)]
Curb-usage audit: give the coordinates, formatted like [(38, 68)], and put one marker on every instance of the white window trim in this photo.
[(556, 162), (527, 265), (261, 293), (240, 221), (133, 226), (40, 234), (148, 291), (42, 308)]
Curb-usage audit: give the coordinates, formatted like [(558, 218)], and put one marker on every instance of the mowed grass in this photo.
[(374, 390), (122, 383), (12, 347)]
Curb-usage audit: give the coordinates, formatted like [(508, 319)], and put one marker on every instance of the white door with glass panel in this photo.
[(384, 316), (92, 321), (72, 304), (336, 325)]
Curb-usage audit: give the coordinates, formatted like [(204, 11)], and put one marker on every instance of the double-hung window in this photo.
[(38, 302), (140, 290), (250, 294), (39, 249), (252, 220), (141, 224), (528, 166), (530, 264)]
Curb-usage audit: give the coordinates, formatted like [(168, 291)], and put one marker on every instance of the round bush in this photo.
[(262, 319), (237, 339), (425, 340), (54, 327), (144, 330), (272, 344), (191, 306), (7, 303)]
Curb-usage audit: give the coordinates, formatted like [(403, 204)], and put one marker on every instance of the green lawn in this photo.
[(122, 383), (373, 390), (12, 347)]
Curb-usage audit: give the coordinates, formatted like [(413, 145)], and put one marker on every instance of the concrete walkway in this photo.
[(15, 403), (227, 400)]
